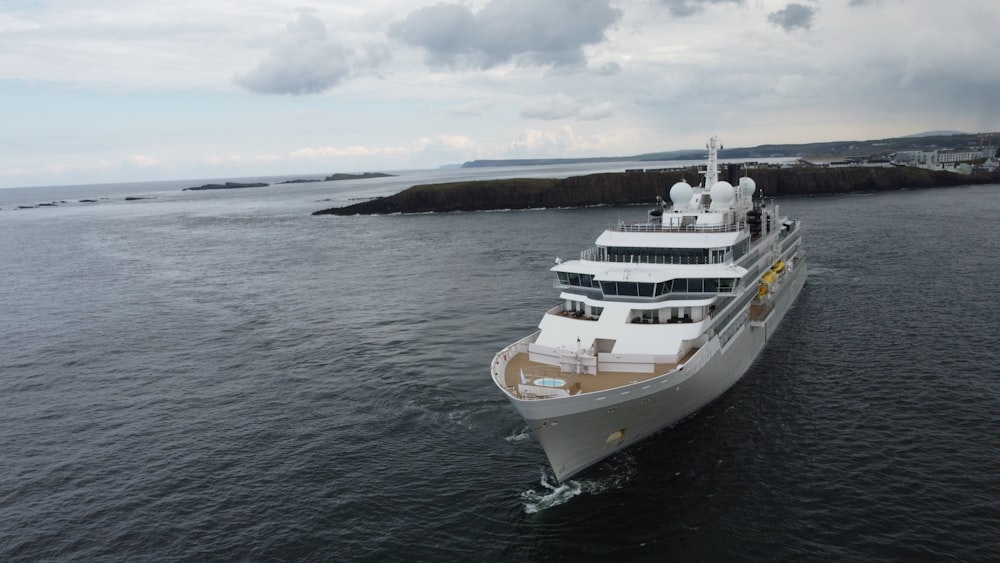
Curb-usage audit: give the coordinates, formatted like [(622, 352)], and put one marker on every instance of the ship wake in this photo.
[(613, 475), (520, 435)]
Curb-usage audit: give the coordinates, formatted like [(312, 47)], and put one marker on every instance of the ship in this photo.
[(655, 321)]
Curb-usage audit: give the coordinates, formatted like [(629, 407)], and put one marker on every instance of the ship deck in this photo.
[(576, 383)]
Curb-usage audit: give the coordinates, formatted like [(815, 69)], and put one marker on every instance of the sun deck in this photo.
[(574, 383)]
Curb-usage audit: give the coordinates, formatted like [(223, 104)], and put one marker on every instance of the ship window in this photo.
[(658, 255), (704, 285), (663, 288), (577, 279), (628, 288)]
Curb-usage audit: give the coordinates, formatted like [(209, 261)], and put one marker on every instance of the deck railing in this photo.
[(600, 254), (690, 228)]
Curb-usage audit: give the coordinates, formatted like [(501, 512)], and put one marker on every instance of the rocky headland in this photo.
[(342, 176), (228, 186), (642, 187), (339, 176)]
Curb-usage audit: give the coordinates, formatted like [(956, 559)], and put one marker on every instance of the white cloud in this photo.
[(472, 107), (553, 107), (537, 143), (561, 106), (609, 68), (303, 60), (331, 152), (520, 31), (142, 161), (248, 160)]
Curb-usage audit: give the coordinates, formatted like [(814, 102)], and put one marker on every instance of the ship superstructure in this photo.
[(656, 320)]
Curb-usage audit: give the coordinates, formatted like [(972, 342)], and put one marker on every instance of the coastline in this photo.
[(643, 186)]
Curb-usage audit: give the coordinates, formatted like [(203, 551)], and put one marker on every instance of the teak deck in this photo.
[(582, 382)]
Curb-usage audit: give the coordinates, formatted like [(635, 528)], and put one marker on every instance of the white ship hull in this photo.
[(577, 432)]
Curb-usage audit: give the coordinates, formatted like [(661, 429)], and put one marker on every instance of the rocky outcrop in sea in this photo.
[(642, 187)]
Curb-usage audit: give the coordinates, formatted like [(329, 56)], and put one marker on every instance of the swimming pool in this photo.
[(550, 382)]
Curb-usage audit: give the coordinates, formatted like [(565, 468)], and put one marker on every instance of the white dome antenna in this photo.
[(680, 194), (723, 195)]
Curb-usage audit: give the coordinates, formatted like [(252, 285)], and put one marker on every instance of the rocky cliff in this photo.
[(641, 187)]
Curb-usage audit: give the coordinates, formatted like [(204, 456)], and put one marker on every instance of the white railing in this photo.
[(691, 228), (598, 254)]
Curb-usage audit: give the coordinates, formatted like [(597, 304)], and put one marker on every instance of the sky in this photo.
[(100, 91)]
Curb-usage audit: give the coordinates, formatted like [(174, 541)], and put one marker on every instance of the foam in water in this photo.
[(519, 435), (620, 470), (537, 501)]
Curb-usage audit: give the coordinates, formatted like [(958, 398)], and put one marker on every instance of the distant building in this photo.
[(967, 155), (938, 158)]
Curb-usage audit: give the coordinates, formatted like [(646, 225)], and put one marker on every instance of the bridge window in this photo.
[(705, 285), (628, 289), (658, 255), (577, 279)]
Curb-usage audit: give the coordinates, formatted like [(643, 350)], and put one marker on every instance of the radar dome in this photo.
[(747, 186), (723, 195), (680, 194)]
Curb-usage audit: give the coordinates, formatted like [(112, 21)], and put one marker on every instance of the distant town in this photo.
[(980, 157), (962, 153)]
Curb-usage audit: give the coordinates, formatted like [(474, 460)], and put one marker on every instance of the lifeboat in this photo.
[(761, 290), (769, 277), (779, 267)]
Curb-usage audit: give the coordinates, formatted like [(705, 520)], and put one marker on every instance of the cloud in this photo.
[(471, 108), (352, 151), (684, 8), (305, 61), (447, 147), (561, 107), (234, 158), (553, 107), (521, 31), (609, 68), (793, 16), (594, 112), (534, 142), (142, 161), (438, 148)]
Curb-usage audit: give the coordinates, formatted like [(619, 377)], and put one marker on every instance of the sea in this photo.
[(221, 376)]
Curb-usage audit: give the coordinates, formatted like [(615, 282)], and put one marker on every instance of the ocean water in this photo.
[(222, 376)]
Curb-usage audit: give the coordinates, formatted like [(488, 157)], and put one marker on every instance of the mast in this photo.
[(712, 172)]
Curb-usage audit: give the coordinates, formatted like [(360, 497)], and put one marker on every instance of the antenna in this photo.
[(712, 172)]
